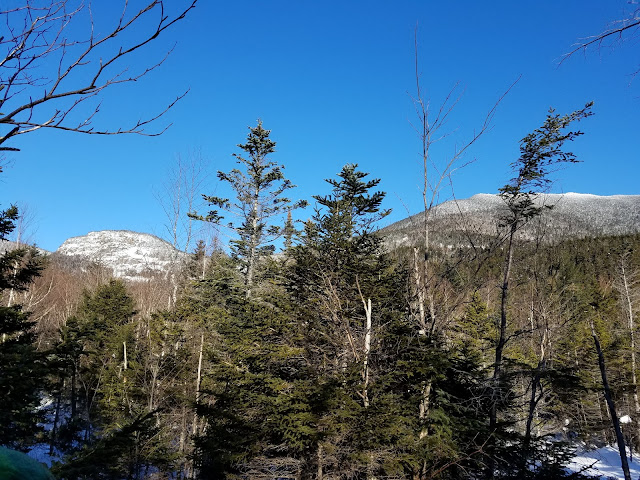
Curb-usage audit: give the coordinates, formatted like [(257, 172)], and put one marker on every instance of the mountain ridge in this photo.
[(477, 218), (137, 255)]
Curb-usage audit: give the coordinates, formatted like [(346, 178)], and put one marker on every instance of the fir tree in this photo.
[(119, 435), (22, 368), (345, 289), (260, 199)]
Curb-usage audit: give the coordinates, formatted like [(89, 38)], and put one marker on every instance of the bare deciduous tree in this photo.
[(436, 173), (47, 76), (179, 196)]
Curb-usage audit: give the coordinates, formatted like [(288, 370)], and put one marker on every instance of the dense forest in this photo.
[(334, 358), (307, 349)]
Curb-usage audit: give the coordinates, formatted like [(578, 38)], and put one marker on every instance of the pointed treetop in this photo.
[(258, 142)]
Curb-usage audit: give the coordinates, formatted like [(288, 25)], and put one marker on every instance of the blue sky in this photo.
[(333, 81)]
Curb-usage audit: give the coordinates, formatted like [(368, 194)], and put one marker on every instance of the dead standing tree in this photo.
[(431, 128), (47, 77), (178, 197), (436, 172)]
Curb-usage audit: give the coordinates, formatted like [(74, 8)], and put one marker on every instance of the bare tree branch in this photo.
[(33, 95), (619, 31)]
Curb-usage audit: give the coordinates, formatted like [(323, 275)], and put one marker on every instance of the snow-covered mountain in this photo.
[(136, 256), (477, 218), (130, 255)]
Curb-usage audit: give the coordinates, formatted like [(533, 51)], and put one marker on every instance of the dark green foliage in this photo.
[(22, 369), (476, 331), (113, 430), (124, 452), (103, 327), (259, 198), (362, 415), (250, 398), (540, 152), (18, 466)]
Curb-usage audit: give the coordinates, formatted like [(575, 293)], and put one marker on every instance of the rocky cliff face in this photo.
[(476, 219), (131, 255)]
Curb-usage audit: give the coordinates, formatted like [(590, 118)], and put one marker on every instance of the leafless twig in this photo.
[(45, 76)]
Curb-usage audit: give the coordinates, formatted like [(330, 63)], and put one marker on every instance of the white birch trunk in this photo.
[(198, 379), (627, 298), (367, 350)]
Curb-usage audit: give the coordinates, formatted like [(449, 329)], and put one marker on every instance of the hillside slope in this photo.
[(131, 255), (477, 219)]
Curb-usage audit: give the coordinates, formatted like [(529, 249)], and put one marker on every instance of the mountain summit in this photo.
[(130, 255)]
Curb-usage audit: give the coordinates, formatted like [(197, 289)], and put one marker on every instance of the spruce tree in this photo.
[(256, 418), (116, 434), (260, 201), (22, 368), (345, 292)]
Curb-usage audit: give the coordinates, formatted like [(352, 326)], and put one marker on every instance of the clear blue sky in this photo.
[(333, 81)]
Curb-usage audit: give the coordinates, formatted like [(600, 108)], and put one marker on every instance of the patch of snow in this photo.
[(41, 453), (603, 461)]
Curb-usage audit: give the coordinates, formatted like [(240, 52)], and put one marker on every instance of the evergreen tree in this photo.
[(259, 199), (22, 368), (116, 434), (346, 293), (540, 152), (249, 404)]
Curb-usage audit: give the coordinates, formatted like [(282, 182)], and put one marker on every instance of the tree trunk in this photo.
[(496, 380), (612, 408), (198, 380), (626, 294), (420, 290), (367, 350), (253, 244), (182, 441), (319, 473), (56, 418), (73, 390), (502, 338), (526, 443), (535, 383)]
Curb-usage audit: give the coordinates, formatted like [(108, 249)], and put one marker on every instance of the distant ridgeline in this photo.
[(476, 220)]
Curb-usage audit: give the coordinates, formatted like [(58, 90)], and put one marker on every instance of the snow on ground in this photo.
[(603, 461), (41, 453)]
